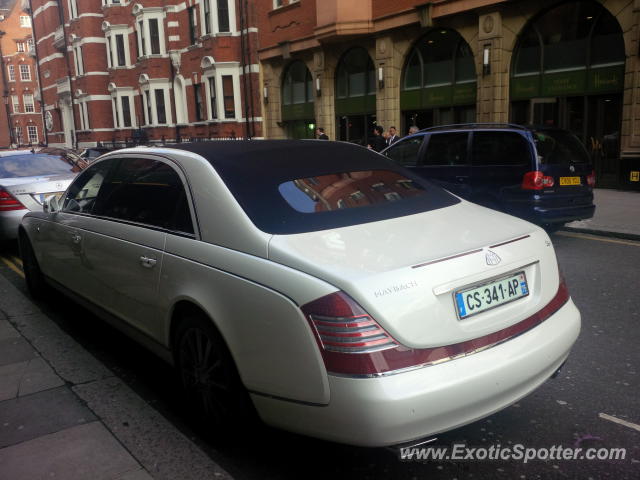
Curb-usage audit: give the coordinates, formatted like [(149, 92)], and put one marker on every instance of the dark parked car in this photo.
[(541, 174)]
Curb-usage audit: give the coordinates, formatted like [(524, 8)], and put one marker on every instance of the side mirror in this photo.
[(51, 204)]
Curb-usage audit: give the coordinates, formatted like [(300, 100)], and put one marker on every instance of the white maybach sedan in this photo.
[(336, 293)]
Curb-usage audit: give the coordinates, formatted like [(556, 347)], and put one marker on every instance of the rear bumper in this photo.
[(9, 223), (407, 406), (541, 212)]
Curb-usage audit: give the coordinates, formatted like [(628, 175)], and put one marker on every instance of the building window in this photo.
[(30, 43), (12, 73), (197, 94), (150, 35), (32, 132), (161, 111), (154, 36), (118, 47), (228, 96), (278, 3), (78, 60), (148, 117), (125, 106), (223, 15), (20, 46), (193, 25), (213, 108), (25, 73), (121, 60), (355, 76), (73, 9), (29, 106), (218, 16), (84, 115), (18, 135), (15, 100), (25, 21)]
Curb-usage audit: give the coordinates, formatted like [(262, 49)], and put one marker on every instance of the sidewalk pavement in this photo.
[(617, 215), (64, 415)]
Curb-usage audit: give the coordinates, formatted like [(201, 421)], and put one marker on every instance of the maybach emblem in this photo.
[(492, 258)]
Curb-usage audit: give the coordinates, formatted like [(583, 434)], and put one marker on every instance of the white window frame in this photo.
[(29, 103), (150, 86), (116, 3), (213, 18), (144, 15), (18, 134), (116, 106), (23, 71), (219, 70), (83, 113), (20, 46), (32, 129), (11, 69), (15, 102), (180, 99), (78, 60), (278, 4), (73, 9), (112, 46), (25, 21)]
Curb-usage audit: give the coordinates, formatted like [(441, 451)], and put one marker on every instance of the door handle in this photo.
[(75, 238), (148, 262)]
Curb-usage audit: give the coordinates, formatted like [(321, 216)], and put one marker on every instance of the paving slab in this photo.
[(161, 449), (15, 350), (7, 330), (31, 416), (82, 452), (25, 378)]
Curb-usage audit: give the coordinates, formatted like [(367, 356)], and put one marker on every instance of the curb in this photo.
[(602, 233)]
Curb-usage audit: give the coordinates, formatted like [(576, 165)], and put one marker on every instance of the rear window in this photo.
[(290, 187), (348, 190), (35, 164), (557, 147), (500, 148)]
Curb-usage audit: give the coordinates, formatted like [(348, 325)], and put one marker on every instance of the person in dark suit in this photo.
[(393, 136), (378, 143), (321, 135)]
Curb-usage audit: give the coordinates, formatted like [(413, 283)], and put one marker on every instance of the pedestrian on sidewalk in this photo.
[(378, 142), (393, 136), (321, 135)]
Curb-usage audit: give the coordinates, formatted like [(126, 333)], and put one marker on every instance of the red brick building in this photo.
[(153, 70), (20, 114)]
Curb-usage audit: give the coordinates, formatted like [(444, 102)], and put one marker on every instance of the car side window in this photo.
[(81, 195), (146, 191), (447, 149), (500, 148), (405, 152)]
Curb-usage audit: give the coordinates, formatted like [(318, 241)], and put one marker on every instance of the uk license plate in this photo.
[(486, 296), (570, 181)]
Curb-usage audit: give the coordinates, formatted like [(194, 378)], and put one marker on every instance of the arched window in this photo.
[(355, 75), (559, 52), (297, 86), (439, 80)]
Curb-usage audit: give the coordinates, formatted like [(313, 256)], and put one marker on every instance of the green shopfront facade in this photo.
[(568, 70), (298, 108)]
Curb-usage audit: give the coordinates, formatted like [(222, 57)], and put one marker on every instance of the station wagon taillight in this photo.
[(591, 179), (352, 343), (9, 202), (536, 181)]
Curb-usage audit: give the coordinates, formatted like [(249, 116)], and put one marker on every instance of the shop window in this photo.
[(355, 74), (297, 86)]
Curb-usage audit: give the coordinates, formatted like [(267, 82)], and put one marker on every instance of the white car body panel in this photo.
[(416, 305)]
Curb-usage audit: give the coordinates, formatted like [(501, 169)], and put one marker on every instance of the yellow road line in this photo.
[(597, 238), (12, 266)]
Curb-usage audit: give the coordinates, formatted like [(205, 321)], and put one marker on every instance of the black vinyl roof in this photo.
[(254, 169)]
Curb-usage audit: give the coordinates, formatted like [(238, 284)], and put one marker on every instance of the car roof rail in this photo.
[(472, 126)]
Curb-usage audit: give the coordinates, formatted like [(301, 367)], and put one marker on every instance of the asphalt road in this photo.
[(593, 403)]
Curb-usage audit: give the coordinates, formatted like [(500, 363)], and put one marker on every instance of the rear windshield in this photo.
[(298, 187), (36, 164), (557, 147)]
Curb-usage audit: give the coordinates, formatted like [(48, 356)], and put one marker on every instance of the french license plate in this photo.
[(479, 298), (570, 181)]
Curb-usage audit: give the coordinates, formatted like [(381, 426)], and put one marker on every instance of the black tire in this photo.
[(34, 279), (210, 377), (552, 227)]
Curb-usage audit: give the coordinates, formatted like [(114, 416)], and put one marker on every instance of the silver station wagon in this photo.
[(316, 283)]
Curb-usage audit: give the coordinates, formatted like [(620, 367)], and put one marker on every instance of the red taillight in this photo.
[(536, 181), (9, 202), (353, 343), (591, 179)]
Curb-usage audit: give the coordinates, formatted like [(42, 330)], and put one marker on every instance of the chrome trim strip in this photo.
[(510, 241), (448, 258)]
